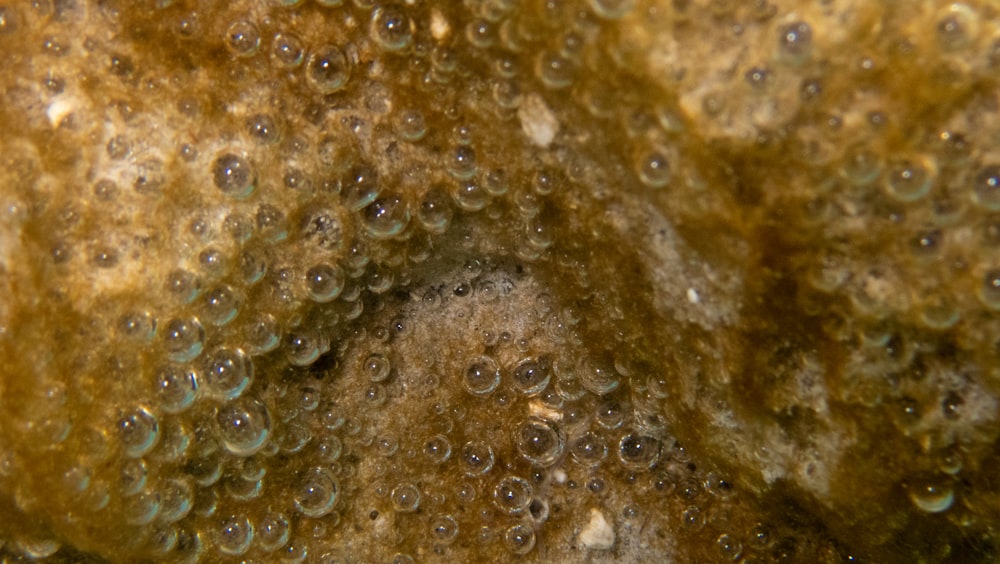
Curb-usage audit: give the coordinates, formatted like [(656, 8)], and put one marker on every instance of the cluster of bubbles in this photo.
[(345, 154)]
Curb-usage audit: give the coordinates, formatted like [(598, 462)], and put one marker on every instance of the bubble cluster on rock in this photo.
[(320, 280)]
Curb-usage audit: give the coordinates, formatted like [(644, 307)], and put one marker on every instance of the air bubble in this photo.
[(932, 496), (139, 326), (329, 448), (611, 9), (405, 498), (909, 180), (376, 366), (862, 167), (986, 188), (989, 292), (325, 282), (958, 27), (391, 28), (243, 38), (263, 129), (462, 162), (287, 50), (589, 450), (139, 432), (435, 211), (437, 449), (262, 335), (538, 441), (316, 493), (444, 529), (530, 377), (233, 535), (234, 176), (477, 458), (470, 196), (599, 376), (132, 477), (328, 69), (481, 376), (795, 42), (519, 539), (141, 508), (512, 495), (227, 373), (554, 70), (273, 531), (176, 500), (411, 125), (304, 346), (220, 305), (386, 217), (176, 387), (638, 451), (243, 426)]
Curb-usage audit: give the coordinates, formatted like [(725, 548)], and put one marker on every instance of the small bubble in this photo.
[(477, 458), (437, 449), (287, 50), (273, 531), (183, 339), (325, 282), (176, 387), (519, 539), (243, 426), (932, 496), (482, 376), (462, 162), (444, 529), (328, 69), (862, 167), (530, 377), (589, 450), (243, 38), (263, 129), (638, 451), (233, 535), (435, 211), (227, 373), (386, 217), (376, 366), (795, 42), (989, 292), (909, 181), (986, 188), (391, 28), (132, 477), (411, 125), (139, 432), (176, 500), (538, 441), (304, 346), (316, 493), (957, 28), (405, 498), (729, 547), (220, 305), (470, 196), (512, 495), (234, 176)]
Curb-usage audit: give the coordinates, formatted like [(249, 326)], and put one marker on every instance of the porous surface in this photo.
[(602, 280)]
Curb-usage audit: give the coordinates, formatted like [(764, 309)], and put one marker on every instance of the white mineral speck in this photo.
[(598, 534)]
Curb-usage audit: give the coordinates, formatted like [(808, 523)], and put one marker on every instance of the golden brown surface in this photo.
[(606, 280)]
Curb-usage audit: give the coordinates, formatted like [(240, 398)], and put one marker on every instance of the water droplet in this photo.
[(227, 373), (462, 162), (538, 441), (481, 376), (411, 125), (444, 529), (470, 196), (304, 346), (234, 176), (328, 69), (243, 426), (316, 493), (220, 305)]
